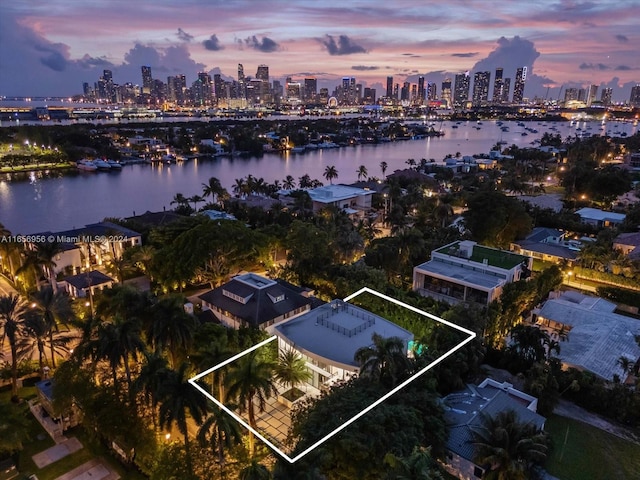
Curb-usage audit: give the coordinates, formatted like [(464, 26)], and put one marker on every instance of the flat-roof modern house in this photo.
[(596, 336), (328, 337), (80, 285), (465, 272), (600, 218), (354, 201), (548, 245), (463, 413), (251, 300)]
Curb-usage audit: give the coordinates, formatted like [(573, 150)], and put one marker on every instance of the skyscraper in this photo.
[(481, 81), (242, 85), (310, 89), (634, 99), (446, 92), (592, 91), (263, 73), (369, 96), (498, 86), (389, 87), (404, 91), (605, 96), (421, 93), (432, 91), (518, 88), (570, 95), (506, 90), (147, 80), (461, 90)]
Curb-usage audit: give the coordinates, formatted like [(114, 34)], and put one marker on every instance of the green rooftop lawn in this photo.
[(583, 452), (495, 257)]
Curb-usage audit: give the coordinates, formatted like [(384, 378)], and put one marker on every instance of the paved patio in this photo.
[(55, 453), (92, 470)]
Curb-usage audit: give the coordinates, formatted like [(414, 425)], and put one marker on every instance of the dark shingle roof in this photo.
[(84, 280), (259, 308)]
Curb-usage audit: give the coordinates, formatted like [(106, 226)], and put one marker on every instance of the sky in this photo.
[(49, 48)]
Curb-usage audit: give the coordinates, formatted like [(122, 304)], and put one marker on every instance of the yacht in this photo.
[(114, 165), (101, 164), (86, 165)]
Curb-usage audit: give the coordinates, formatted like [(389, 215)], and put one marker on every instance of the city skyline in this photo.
[(52, 49)]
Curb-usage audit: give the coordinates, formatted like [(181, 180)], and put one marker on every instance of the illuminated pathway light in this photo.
[(470, 336)]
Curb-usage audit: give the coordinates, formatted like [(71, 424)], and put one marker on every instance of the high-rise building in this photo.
[(570, 95), (261, 92), (461, 90), (481, 82), (582, 95), (310, 89), (218, 87), (590, 96), (294, 92), (323, 96), (405, 92), (507, 89), (263, 72), (421, 91), (147, 80), (242, 85), (202, 89), (432, 91), (446, 92), (634, 99), (389, 87), (605, 96), (518, 88), (498, 86), (369, 96), (396, 91)]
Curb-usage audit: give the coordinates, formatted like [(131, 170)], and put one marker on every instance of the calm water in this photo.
[(35, 204)]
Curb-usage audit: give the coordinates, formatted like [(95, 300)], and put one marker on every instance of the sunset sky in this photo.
[(51, 47)]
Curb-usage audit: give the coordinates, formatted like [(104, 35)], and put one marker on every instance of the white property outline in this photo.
[(197, 377)]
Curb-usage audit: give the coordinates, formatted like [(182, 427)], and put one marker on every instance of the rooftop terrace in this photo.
[(495, 257)]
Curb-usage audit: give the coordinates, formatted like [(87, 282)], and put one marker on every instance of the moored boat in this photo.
[(86, 165), (101, 164), (114, 164)]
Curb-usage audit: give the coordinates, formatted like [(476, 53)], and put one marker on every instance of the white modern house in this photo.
[(465, 272), (600, 218), (354, 201), (328, 337), (463, 413)]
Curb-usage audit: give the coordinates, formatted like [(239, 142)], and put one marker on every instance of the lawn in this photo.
[(583, 452)]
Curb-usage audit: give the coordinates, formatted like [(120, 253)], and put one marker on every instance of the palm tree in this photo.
[(143, 257), (418, 466), (196, 199), (291, 369), (14, 426), (215, 353), (212, 188), (7, 252), (55, 310), (180, 200), (411, 162), (239, 187), (35, 336), (626, 364), (383, 167), (510, 449), (385, 360), (219, 431), (442, 212), (289, 183), (362, 172), (255, 471), (305, 181), (251, 379), (150, 379), (12, 314), (170, 328), (330, 173), (177, 397)]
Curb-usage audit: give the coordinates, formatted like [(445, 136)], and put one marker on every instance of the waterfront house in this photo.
[(463, 413), (353, 201), (465, 272)]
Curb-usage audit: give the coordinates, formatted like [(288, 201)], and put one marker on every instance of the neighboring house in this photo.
[(464, 412), (596, 336), (92, 244), (251, 300), (628, 244), (353, 201), (217, 215), (548, 245), (600, 218), (210, 143), (79, 286), (328, 337), (64, 420), (465, 272)]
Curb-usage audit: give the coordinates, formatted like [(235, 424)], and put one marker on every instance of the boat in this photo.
[(298, 149), (114, 165), (101, 164), (86, 165)]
